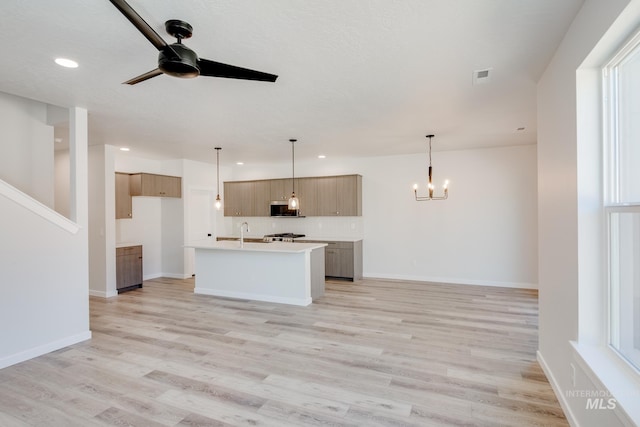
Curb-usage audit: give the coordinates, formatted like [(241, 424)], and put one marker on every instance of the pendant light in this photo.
[(218, 199), (294, 203), (430, 184)]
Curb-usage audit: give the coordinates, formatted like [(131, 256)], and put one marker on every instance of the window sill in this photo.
[(603, 366)]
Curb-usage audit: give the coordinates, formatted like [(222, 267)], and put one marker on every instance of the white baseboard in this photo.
[(102, 294), (453, 281), (43, 349), (557, 390), (180, 276)]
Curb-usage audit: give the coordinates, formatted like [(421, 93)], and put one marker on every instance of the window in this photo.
[(622, 198)]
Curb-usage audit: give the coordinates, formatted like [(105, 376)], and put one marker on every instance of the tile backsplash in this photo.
[(346, 227)]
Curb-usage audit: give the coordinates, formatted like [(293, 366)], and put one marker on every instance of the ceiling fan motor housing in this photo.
[(186, 66)]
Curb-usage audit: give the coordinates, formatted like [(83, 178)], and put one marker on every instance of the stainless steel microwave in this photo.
[(281, 208)]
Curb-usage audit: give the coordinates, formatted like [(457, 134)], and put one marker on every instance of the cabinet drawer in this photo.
[(339, 245)]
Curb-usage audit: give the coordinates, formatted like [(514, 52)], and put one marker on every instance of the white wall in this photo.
[(172, 223), (102, 278), (44, 303), (145, 225), (26, 152), (485, 233), (62, 182), (567, 172), (159, 223), (199, 186)]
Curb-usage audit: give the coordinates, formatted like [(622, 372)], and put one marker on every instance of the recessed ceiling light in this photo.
[(239, 163), (322, 156), (57, 140), (67, 63), (125, 149)]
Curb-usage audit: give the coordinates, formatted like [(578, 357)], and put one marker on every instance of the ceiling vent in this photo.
[(482, 76)]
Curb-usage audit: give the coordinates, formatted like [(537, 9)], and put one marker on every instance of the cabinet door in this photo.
[(239, 198), (231, 199), (331, 262), (123, 196), (128, 266), (280, 189), (345, 263), (150, 185), (349, 195), (170, 186), (262, 197), (307, 192), (339, 259), (327, 196)]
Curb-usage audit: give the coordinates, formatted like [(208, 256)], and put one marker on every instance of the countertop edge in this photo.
[(258, 247), (303, 239)]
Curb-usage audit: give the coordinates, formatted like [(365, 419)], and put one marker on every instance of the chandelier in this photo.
[(430, 184)]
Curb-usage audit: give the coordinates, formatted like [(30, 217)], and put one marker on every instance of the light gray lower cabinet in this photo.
[(343, 260), (128, 268)]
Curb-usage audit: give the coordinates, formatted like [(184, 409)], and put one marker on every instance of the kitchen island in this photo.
[(287, 273)]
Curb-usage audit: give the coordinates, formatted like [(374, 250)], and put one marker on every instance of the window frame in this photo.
[(612, 203)]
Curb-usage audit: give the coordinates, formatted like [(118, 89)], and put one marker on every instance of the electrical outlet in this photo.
[(573, 374)]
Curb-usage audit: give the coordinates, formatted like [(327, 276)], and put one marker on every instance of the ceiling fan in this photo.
[(177, 59)]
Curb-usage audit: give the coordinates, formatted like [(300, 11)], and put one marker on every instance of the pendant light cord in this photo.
[(293, 166), (218, 168)]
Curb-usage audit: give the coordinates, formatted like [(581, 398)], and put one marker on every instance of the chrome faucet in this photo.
[(242, 233)]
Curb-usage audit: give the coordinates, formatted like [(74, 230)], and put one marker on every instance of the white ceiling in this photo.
[(356, 77)]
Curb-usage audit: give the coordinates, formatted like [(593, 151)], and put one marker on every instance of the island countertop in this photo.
[(234, 245)]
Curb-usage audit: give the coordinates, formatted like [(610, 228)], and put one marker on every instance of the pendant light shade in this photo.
[(294, 203), (218, 203)]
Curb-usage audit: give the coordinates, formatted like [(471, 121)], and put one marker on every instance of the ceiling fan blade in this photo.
[(143, 77), (144, 28), (218, 69)]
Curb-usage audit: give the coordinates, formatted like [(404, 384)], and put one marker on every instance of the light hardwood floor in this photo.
[(370, 353)]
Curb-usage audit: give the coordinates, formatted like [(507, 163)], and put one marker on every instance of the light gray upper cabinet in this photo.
[(327, 196), (339, 195), (149, 184), (319, 196), (307, 192), (349, 195), (123, 196), (143, 184), (262, 198), (239, 198), (280, 189)]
